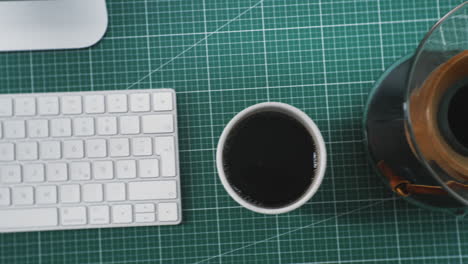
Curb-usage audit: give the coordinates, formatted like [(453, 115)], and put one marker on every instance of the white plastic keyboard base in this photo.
[(89, 160)]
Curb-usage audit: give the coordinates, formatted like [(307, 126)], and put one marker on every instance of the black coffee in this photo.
[(269, 159), (457, 114), (453, 111)]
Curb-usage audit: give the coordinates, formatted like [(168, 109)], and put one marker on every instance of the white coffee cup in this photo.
[(312, 129)]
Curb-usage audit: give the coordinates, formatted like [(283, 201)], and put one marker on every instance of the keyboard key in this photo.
[(117, 103), (10, 174), (26, 151), (48, 105), (162, 101), (126, 169), (80, 171), (148, 168), (152, 190), (103, 170), (4, 196), (46, 195), (7, 152), (115, 191), (23, 195), (144, 208), (122, 213), (145, 217), (142, 146), (57, 172), (119, 147), (92, 193), (71, 105), (38, 128), (157, 124), (129, 125), (165, 148), (140, 102), (50, 150), (106, 126), (167, 212), (99, 215), (60, 127), (73, 149), (14, 129), (25, 106), (83, 126), (33, 173), (73, 215), (28, 218), (6, 107), (94, 104), (96, 148), (70, 193)]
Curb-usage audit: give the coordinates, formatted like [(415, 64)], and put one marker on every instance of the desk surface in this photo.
[(222, 56)]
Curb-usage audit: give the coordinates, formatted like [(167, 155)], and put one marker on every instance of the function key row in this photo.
[(89, 104)]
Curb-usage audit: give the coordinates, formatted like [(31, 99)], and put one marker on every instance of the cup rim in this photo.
[(313, 130)]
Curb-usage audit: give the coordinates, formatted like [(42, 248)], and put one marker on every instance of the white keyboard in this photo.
[(88, 160)]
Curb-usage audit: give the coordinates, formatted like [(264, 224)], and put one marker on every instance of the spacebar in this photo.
[(23, 218)]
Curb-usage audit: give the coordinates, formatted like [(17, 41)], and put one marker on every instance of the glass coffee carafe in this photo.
[(416, 119)]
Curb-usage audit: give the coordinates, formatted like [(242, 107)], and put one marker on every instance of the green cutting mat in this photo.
[(223, 56)]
